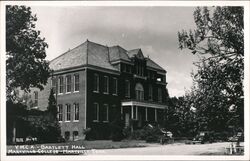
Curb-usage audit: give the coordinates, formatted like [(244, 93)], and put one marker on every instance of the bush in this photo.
[(148, 133)]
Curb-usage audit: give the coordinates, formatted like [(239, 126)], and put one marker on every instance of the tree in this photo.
[(52, 104), (25, 51), (53, 129), (218, 83)]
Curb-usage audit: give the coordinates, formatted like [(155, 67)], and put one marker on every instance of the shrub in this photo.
[(148, 133)]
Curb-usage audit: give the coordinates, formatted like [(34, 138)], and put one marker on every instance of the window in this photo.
[(53, 84), (127, 88), (150, 92), (36, 99), (159, 95), (139, 92), (60, 85), (76, 83), (96, 83), (106, 84), (60, 113), (68, 83), (96, 112), (68, 112), (105, 112), (76, 111), (139, 69), (115, 86), (75, 135), (67, 135)]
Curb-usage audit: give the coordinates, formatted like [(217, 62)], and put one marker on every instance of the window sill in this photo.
[(60, 121), (76, 92), (68, 93), (105, 93), (76, 121), (96, 91), (95, 121), (60, 94), (115, 94), (105, 121), (67, 121)]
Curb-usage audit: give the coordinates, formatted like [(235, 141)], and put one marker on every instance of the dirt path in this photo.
[(171, 149)]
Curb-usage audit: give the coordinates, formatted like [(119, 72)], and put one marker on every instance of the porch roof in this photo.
[(144, 104)]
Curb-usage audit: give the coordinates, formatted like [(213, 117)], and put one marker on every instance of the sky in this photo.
[(153, 29)]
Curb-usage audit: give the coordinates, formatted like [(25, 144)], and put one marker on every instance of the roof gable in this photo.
[(136, 53)]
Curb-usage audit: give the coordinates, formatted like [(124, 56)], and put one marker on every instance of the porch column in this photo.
[(132, 112), (146, 114), (155, 115), (136, 112)]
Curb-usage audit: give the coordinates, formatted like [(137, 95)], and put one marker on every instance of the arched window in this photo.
[(139, 92)]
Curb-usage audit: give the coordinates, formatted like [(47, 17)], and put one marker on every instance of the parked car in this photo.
[(203, 137), (239, 137), (167, 137)]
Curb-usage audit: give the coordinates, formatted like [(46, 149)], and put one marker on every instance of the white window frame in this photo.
[(68, 113), (106, 92), (76, 105), (97, 83), (75, 82), (60, 112), (107, 116), (53, 86), (97, 112), (68, 84), (60, 85)]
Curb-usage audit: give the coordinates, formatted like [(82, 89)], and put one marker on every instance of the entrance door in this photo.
[(126, 119)]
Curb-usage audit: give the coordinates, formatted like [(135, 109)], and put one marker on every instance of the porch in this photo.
[(137, 114)]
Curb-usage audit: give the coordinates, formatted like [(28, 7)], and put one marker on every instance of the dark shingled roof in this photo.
[(134, 52), (118, 53), (71, 58), (86, 53), (97, 55), (152, 64)]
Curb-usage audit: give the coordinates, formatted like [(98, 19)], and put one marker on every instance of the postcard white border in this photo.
[(124, 3)]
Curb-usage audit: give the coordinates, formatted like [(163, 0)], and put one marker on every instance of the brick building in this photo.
[(95, 84)]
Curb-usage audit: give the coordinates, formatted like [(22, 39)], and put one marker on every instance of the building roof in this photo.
[(152, 64), (135, 53), (87, 53), (90, 53), (118, 53)]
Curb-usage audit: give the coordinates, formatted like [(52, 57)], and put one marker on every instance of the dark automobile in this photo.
[(239, 137), (203, 137)]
